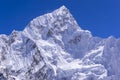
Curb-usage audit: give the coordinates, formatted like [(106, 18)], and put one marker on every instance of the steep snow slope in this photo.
[(54, 47)]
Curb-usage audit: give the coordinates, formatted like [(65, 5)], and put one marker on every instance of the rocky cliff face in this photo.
[(54, 47)]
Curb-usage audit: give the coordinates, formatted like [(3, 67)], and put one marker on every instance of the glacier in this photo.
[(54, 47)]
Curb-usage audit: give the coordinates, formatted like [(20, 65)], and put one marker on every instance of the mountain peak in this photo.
[(53, 47), (56, 22), (63, 9), (63, 6)]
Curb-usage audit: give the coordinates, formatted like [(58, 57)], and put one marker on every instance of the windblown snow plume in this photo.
[(54, 47)]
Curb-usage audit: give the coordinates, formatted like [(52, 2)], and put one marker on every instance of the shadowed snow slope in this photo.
[(54, 47)]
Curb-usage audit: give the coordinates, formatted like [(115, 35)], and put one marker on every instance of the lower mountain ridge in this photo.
[(54, 47)]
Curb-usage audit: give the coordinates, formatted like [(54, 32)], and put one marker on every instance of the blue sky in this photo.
[(101, 17)]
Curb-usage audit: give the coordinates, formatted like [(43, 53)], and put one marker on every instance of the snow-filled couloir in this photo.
[(54, 47)]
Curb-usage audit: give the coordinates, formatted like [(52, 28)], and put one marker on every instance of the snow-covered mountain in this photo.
[(54, 47)]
